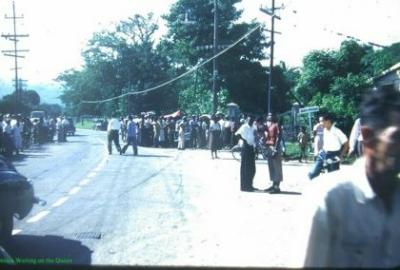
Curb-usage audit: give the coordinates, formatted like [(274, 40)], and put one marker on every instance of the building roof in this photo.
[(388, 71)]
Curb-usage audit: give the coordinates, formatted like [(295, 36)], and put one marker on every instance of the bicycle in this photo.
[(260, 149)]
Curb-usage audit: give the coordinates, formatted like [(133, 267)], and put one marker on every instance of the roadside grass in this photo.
[(85, 124), (293, 153)]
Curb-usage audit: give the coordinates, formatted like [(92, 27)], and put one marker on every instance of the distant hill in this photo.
[(49, 93)]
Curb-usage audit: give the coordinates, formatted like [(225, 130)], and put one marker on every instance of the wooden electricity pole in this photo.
[(15, 52)]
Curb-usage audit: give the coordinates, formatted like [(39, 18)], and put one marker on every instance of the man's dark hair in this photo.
[(328, 117), (377, 107), (251, 119)]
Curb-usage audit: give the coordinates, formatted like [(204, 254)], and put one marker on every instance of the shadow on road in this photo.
[(77, 141), (152, 156), (29, 154), (49, 249), (280, 193), (286, 193), (298, 164), (78, 135)]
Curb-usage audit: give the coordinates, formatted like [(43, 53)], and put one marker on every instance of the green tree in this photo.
[(29, 100), (377, 61), (349, 57), (117, 62), (318, 72), (184, 45)]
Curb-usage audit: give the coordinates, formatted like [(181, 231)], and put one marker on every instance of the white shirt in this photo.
[(344, 223), (333, 139), (319, 129), (114, 124), (355, 134), (247, 133), (215, 126)]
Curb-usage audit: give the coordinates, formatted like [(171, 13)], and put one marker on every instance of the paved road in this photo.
[(163, 207)]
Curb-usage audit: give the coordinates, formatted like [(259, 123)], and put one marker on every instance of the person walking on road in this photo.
[(352, 219), (113, 128), (272, 141), (248, 164), (335, 145), (131, 139)]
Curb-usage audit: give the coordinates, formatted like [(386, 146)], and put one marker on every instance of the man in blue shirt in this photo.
[(131, 136)]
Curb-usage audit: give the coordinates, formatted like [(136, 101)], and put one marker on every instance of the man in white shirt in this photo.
[(247, 165), (335, 145), (113, 128), (353, 218)]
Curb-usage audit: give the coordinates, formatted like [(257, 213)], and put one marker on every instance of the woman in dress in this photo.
[(181, 137), (215, 135), (16, 136)]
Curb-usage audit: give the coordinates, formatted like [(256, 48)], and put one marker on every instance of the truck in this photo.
[(37, 115)]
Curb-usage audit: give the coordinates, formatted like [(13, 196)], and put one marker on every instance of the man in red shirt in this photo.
[(272, 135)]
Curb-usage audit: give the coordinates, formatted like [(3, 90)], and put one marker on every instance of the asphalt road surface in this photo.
[(163, 207)]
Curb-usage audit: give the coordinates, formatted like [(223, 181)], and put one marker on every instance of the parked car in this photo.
[(16, 197), (100, 124), (5, 257), (36, 115)]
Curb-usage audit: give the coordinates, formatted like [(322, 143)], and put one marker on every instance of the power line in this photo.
[(178, 77), (334, 32)]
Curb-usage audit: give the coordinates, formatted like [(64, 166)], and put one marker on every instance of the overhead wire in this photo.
[(327, 29), (196, 67)]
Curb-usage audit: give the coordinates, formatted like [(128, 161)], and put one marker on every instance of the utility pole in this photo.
[(15, 52), (215, 47), (215, 68), (271, 12)]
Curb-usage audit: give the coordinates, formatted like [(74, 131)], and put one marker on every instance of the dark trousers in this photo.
[(193, 139), (247, 167), (131, 141), (359, 148), (275, 167), (113, 137)]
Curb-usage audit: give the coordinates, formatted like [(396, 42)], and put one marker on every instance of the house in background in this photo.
[(388, 78)]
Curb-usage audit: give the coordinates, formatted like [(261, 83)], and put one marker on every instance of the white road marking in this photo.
[(38, 216), (74, 190), (16, 231), (91, 175), (60, 202), (84, 182)]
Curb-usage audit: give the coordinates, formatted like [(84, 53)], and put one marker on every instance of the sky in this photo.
[(59, 29)]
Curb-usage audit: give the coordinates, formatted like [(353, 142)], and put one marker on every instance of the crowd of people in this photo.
[(19, 132), (194, 132)]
